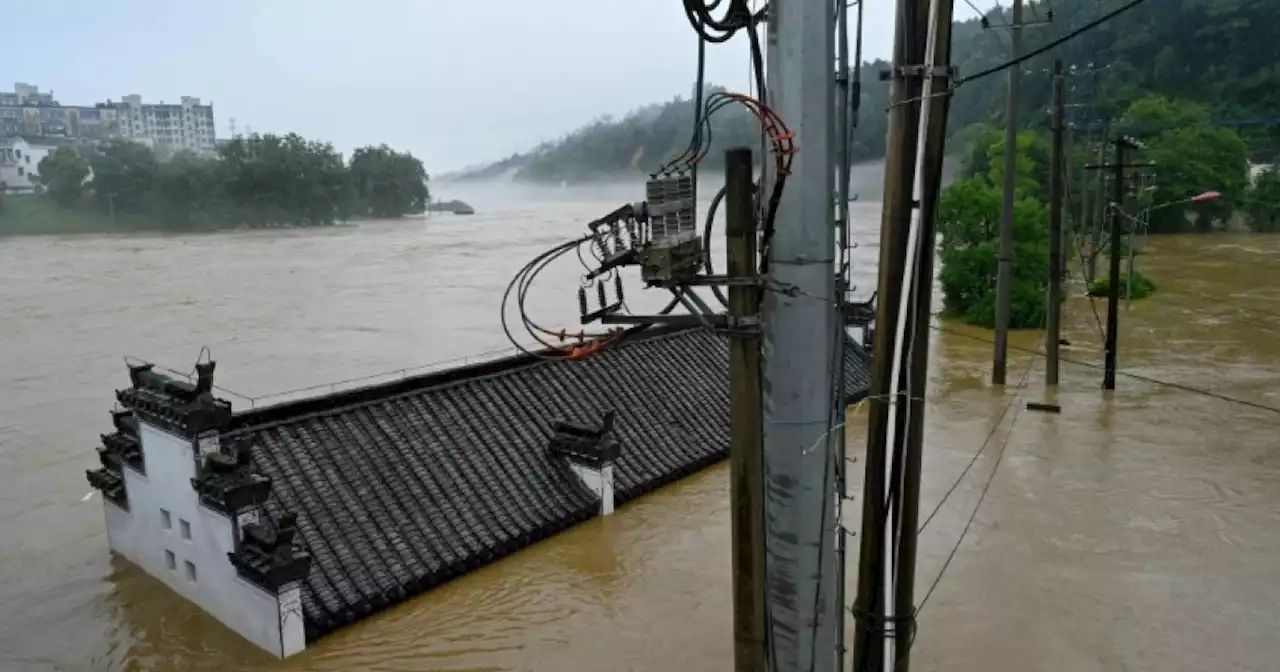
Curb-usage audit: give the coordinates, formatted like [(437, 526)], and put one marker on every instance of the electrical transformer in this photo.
[(674, 250)]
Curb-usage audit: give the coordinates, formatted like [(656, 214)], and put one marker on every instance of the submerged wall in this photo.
[(170, 535)]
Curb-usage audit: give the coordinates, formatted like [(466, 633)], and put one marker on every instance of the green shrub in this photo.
[(1142, 286)]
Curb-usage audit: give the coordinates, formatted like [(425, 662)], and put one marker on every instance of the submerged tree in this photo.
[(63, 173), (388, 183)]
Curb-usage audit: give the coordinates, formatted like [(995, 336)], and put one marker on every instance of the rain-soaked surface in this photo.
[(1139, 532)]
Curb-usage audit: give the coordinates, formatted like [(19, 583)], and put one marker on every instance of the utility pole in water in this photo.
[(1115, 210), (799, 314), (1004, 276), (1058, 165), (745, 477)]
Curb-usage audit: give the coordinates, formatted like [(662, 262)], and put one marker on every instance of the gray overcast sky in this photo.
[(457, 82)]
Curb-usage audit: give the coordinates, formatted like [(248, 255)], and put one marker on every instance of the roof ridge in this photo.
[(264, 417)]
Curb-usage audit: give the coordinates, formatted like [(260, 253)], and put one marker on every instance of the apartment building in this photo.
[(167, 128), (172, 127)]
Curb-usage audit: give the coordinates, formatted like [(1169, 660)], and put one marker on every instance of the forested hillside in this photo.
[(1222, 54)]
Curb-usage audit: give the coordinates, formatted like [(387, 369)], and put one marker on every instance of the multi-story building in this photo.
[(28, 111), (168, 128), (187, 125)]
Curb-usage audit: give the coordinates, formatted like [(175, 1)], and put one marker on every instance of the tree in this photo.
[(969, 221), (63, 172), (1032, 162), (388, 183), (1191, 161), (274, 179), (123, 175), (1263, 202), (188, 191)]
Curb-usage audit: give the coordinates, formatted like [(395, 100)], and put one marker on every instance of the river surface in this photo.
[(1135, 531)]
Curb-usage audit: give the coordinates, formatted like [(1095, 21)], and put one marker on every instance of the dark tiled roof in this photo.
[(404, 486)]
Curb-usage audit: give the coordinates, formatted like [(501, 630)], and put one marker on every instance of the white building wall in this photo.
[(140, 535), (19, 162), (599, 481)]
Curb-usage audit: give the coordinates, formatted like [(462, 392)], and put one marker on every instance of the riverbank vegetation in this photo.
[(254, 181)]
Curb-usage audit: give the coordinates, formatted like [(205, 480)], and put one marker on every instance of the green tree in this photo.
[(123, 175), (272, 179), (1032, 162), (1263, 202), (63, 172), (969, 220), (188, 192), (388, 183), (1190, 161)]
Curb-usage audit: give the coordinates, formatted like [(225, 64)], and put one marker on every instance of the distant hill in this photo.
[(1220, 53)]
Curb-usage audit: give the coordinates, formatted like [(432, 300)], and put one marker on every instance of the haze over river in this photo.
[(1134, 532)]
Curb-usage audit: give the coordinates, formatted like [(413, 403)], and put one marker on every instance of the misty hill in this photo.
[(1216, 52)]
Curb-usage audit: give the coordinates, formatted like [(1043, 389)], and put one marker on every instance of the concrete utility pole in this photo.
[(746, 482), (799, 313), (1058, 162), (1115, 210), (1004, 276)]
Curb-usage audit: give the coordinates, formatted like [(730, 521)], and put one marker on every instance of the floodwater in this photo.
[(1135, 531)]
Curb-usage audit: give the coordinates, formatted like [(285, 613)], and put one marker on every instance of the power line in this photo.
[(1042, 49), (1147, 379), (946, 564)]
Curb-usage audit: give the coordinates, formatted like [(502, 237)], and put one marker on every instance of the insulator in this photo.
[(602, 248), (582, 301), (631, 234), (617, 286), (616, 234), (600, 293)]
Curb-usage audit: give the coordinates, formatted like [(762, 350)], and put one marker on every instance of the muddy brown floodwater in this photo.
[(1138, 531)]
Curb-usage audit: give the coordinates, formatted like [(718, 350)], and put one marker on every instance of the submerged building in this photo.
[(287, 522)]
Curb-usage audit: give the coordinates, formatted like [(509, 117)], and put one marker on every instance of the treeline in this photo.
[(1191, 156), (1218, 53), (254, 181)]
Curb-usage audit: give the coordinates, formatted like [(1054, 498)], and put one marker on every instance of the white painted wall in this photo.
[(599, 481), (18, 161), (139, 535)]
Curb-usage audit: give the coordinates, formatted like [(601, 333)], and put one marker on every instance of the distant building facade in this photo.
[(167, 128), (19, 164), (20, 159)]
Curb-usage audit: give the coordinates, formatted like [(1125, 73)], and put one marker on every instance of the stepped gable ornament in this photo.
[(110, 482), (176, 405), (226, 481), (267, 555), (122, 446), (593, 446)]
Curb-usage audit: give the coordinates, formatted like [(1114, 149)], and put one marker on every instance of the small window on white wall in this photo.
[(171, 560), (186, 529), (166, 520), (191, 571)]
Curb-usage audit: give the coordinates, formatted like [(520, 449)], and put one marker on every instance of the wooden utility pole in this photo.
[(745, 439), (929, 179), (1004, 275), (899, 173), (1055, 226)]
